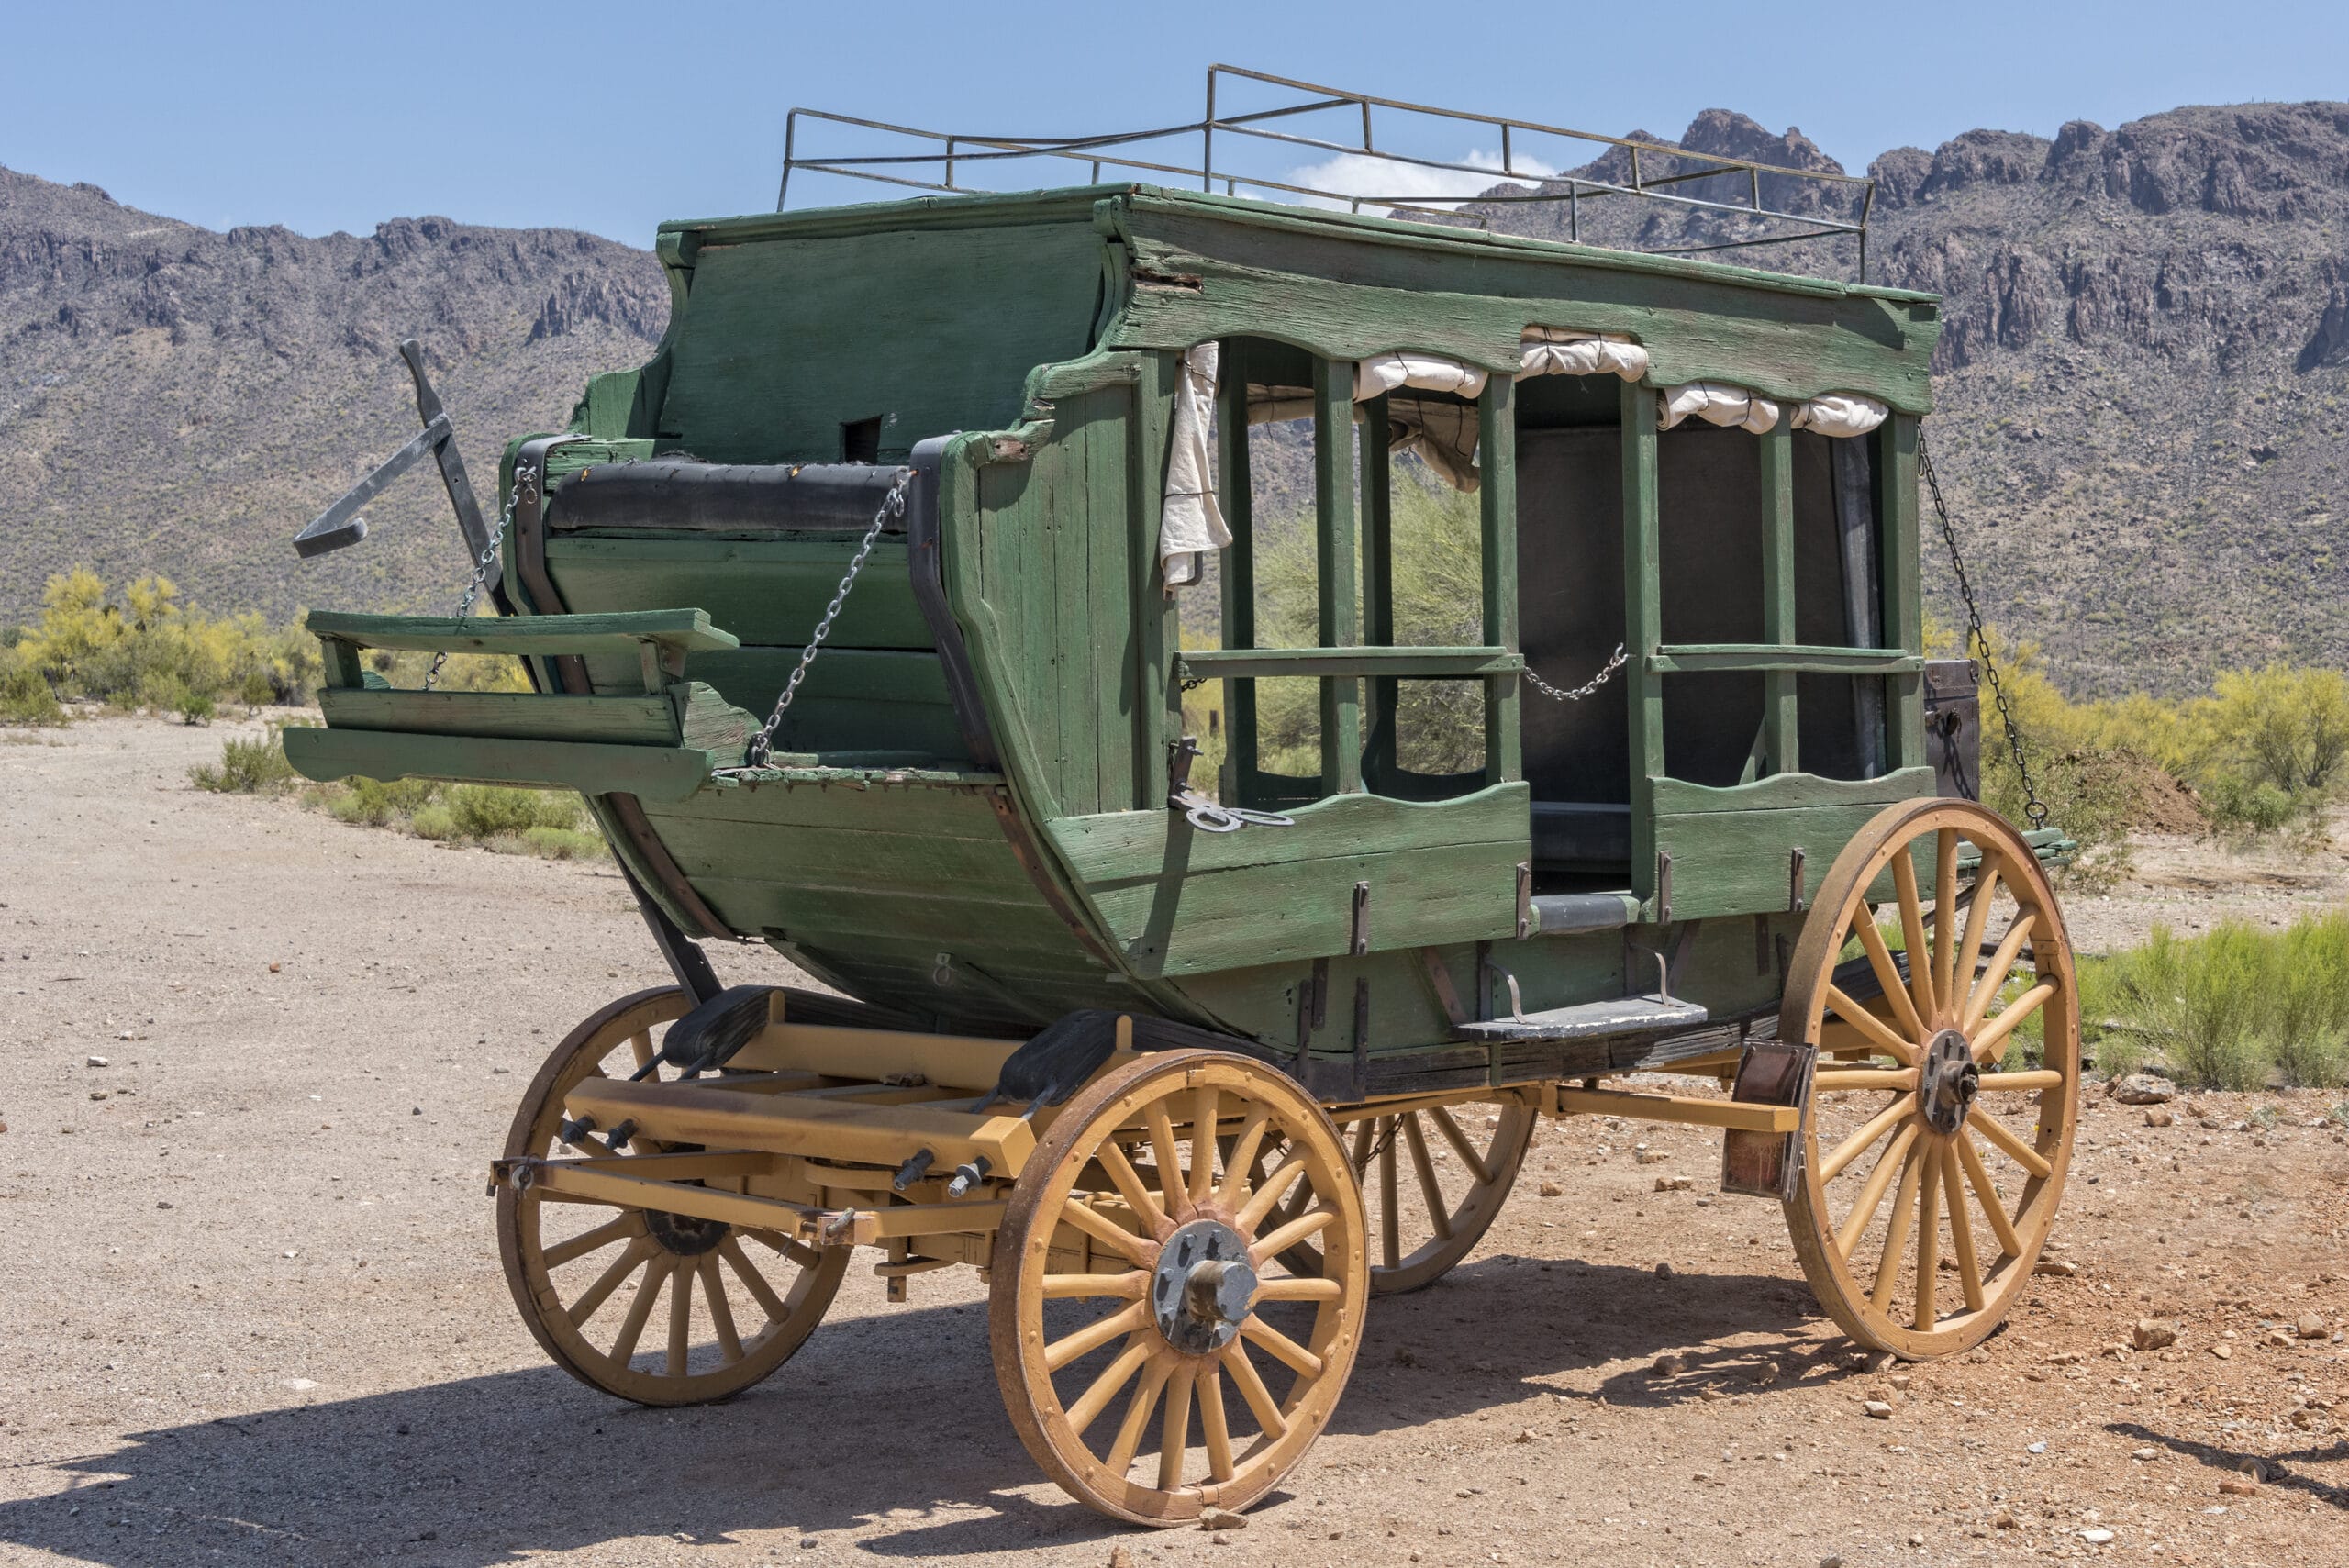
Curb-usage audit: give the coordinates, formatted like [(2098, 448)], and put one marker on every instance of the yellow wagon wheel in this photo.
[(1136, 1273), (1932, 1095), (656, 1307), (1462, 1161)]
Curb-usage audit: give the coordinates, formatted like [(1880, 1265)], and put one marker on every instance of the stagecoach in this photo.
[(859, 613)]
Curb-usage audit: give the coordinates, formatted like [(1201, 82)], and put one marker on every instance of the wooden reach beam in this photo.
[(1686, 1108)]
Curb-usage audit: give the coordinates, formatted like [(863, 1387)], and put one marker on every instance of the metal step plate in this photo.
[(1592, 1020)]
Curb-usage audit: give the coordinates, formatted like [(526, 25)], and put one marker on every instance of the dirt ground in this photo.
[(253, 1313)]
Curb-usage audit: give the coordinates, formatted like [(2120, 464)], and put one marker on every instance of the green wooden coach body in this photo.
[(966, 817)]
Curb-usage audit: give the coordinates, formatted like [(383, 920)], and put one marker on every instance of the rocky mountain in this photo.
[(2144, 385), (177, 400)]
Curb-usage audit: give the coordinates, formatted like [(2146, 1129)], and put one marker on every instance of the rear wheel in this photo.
[(1943, 1111), (657, 1307)]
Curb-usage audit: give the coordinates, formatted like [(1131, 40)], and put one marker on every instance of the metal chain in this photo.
[(481, 574), (893, 505), (1560, 695), (2034, 808)]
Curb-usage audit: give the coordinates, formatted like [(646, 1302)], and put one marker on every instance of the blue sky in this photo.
[(610, 117)]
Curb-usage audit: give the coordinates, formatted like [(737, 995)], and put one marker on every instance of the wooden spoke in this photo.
[(612, 1043), (639, 1311), (1252, 1392), (681, 1317), (1431, 1190), (1242, 1158), (1104, 1388), (1929, 1233), (1295, 1287), (1096, 1334), (1986, 1193), (722, 1311), (1930, 1178), (1138, 1412), (1871, 1198), (2020, 1083), (1990, 1039), (2014, 1147), (1213, 1430), (1134, 1249), (1460, 1144), (1170, 1186), (1945, 916), (1961, 1228), (1305, 1227), (1132, 1285), (1390, 1211), (1276, 1185), (1281, 1348), (1129, 1183), (596, 1295), (1174, 1441), (1896, 1231), (1887, 974), (1912, 932), (1879, 1034), (753, 1281), (1862, 1140), (1994, 978), (1832, 1080), (1203, 1124)]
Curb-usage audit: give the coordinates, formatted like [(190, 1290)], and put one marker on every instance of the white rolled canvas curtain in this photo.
[(1561, 350), (1716, 403), (1840, 414), (1191, 522), (1432, 373)]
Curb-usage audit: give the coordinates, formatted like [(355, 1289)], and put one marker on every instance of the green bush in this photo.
[(373, 804), (2228, 1009), (248, 767), (488, 811), (24, 696)]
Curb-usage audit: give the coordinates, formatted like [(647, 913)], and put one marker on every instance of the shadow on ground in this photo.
[(2272, 1469), (890, 1424)]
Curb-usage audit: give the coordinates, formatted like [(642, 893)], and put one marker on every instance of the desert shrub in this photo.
[(2228, 1009), (257, 766), (560, 843), (487, 811), (150, 651), (374, 803), (26, 696)]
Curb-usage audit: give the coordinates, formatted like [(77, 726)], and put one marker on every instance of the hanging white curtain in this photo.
[(1390, 372), (1716, 403), (1840, 414), (1561, 350), (1191, 522)]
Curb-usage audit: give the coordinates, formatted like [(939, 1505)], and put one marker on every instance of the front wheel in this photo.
[(1932, 1095)]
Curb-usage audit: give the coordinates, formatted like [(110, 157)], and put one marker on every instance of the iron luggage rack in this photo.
[(957, 150)]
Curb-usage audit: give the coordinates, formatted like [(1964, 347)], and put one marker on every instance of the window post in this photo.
[(1340, 591), (1643, 625), (1497, 510), (1903, 611), (1239, 580), (1378, 587), (1778, 727)]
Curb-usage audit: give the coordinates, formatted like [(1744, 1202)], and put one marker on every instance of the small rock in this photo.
[(2277, 1337), (1663, 1271), (98, 1061), (2098, 1537), (2004, 1520), (2159, 1117), (163, 1203), (1830, 1562), (2142, 1089), (416, 1110), (1528, 1436), (1650, 1156), (1668, 1366), (2224, 1353), (2312, 1326), (1223, 1518), (1672, 1183), (1552, 1189), (2153, 1334), (1877, 1409), (2146, 1455), (2239, 1486), (2059, 1269), (809, 1541), (272, 969), (2039, 1447), (98, 1094), (292, 1254), (299, 1385)]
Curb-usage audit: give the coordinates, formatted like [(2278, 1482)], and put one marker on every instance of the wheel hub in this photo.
[(1203, 1286), (683, 1234), (1947, 1081)]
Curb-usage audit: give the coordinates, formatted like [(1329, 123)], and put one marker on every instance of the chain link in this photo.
[(892, 505), (1559, 693), (489, 554), (1977, 637)]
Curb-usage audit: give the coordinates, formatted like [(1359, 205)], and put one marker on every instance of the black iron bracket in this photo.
[(341, 524)]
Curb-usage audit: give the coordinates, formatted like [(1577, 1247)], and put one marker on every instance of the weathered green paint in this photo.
[(1643, 626), (651, 773), (1336, 557), (1497, 566), (688, 713), (1904, 614), (1683, 659), (1779, 735), (766, 591), (680, 631), (1238, 663)]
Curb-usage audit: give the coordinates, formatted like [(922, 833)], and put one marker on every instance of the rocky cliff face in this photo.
[(177, 400), (2143, 387), (2141, 412)]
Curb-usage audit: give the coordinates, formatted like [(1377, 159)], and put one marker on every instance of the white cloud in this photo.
[(1359, 174)]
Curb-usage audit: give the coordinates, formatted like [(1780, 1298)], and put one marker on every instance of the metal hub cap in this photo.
[(1203, 1287), (683, 1235), (1947, 1081)]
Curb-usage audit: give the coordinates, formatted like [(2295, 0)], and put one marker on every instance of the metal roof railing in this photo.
[(950, 157)]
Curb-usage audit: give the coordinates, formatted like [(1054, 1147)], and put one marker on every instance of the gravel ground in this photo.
[(255, 1313)]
